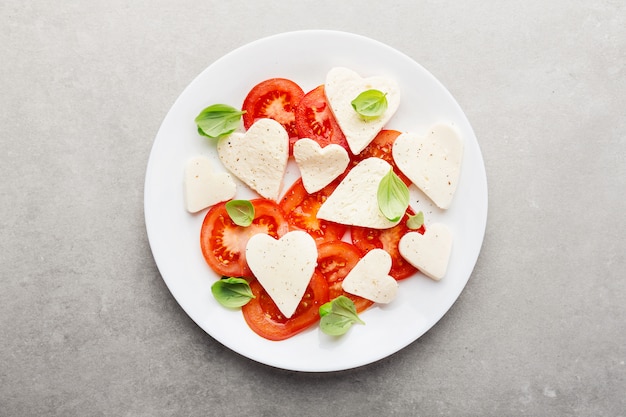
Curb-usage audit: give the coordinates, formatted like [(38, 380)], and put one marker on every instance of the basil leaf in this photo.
[(232, 292), (416, 221), (370, 103), (241, 212), (218, 120), (338, 315), (393, 196), (326, 309)]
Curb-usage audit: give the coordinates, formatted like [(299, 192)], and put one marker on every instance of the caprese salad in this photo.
[(342, 236)]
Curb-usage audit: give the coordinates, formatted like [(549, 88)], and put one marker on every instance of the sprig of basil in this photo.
[(232, 292), (218, 120), (393, 196), (241, 212), (415, 221), (338, 315), (370, 103)]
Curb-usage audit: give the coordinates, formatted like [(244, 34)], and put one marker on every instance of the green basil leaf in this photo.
[(218, 120), (326, 309), (393, 196), (370, 103), (338, 315), (241, 212), (416, 221), (232, 292), (335, 325)]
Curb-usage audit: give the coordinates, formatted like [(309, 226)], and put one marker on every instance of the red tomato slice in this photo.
[(276, 98), (334, 261), (266, 320), (367, 239), (223, 243), (301, 209), (315, 120), (381, 148)]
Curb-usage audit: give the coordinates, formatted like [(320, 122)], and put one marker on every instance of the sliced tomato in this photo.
[(334, 261), (315, 119), (381, 148), (276, 98), (266, 320), (223, 243), (367, 239), (301, 209)]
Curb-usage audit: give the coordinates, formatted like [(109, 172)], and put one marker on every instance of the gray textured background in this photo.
[(89, 328)]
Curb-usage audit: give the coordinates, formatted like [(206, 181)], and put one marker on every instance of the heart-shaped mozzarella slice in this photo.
[(319, 166), (284, 267), (429, 252), (344, 85), (370, 278), (203, 187), (355, 200), (257, 157), (432, 162)]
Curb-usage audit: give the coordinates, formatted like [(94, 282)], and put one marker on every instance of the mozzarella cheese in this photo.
[(343, 85), (203, 187), (284, 267), (257, 157), (355, 200), (429, 252), (370, 278), (319, 166), (432, 162)]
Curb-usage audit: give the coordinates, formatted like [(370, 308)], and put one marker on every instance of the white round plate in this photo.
[(305, 57)]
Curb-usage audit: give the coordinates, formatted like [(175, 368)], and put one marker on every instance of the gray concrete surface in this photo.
[(88, 328)]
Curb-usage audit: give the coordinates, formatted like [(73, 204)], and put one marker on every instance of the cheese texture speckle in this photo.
[(203, 187), (319, 166), (257, 157), (284, 266), (431, 162), (344, 85), (355, 200), (429, 252), (370, 278)]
